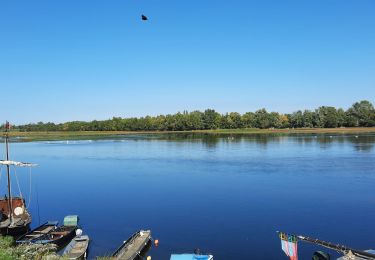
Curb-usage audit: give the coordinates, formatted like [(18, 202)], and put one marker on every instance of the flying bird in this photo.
[(144, 18)]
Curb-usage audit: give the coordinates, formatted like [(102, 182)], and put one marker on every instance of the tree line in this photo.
[(360, 114)]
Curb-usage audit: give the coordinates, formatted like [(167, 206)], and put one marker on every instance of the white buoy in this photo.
[(79, 232)]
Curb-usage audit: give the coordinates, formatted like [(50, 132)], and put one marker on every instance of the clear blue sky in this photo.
[(84, 60)]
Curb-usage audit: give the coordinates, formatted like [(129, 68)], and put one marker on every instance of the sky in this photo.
[(85, 60)]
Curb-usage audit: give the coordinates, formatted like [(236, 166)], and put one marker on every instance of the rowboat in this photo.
[(37, 232), (61, 235), (133, 247), (77, 248)]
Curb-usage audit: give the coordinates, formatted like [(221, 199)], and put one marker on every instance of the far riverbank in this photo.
[(81, 135)]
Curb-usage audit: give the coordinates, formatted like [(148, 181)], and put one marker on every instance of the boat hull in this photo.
[(21, 220), (38, 232), (132, 248), (55, 238), (77, 248), (15, 231)]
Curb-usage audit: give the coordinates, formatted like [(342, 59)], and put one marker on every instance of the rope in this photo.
[(1, 173), (18, 184), (30, 188)]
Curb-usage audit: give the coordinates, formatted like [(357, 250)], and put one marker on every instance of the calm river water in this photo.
[(226, 195)]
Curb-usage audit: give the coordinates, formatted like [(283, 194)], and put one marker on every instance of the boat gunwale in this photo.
[(77, 239), (48, 223), (126, 242)]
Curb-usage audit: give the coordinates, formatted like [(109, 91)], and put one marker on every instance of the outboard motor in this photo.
[(320, 255)]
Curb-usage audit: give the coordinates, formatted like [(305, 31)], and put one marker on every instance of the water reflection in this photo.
[(360, 142)]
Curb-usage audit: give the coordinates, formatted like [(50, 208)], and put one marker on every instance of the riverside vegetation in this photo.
[(38, 252), (360, 114)]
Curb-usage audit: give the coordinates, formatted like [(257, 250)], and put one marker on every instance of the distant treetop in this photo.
[(360, 114)]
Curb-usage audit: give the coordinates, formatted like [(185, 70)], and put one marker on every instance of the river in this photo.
[(227, 195)]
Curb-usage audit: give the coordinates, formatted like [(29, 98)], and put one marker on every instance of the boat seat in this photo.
[(45, 231), (59, 233), (31, 235)]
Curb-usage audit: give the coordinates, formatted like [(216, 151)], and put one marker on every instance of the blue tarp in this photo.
[(189, 257)]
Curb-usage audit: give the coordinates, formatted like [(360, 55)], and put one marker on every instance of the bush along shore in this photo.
[(360, 114), (8, 251)]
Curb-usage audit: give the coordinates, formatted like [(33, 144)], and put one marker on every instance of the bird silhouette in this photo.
[(144, 18)]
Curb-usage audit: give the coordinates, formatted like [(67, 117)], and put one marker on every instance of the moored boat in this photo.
[(62, 234), (351, 256), (77, 248), (133, 247), (37, 232), (16, 221), (289, 246), (14, 217)]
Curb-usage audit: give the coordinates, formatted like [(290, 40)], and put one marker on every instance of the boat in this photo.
[(191, 257), (14, 217), (288, 242), (134, 246), (77, 248), (61, 235), (351, 256), (37, 232)]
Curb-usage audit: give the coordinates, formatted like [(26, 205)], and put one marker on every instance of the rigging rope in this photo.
[(18, 184), (1, 173), (28, 205)]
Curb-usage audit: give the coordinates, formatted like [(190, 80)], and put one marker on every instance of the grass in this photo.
[(8, 251), (82, 135)]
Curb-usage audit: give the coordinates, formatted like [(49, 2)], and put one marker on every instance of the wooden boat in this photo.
[(351, 256), (349, 253), (61, 235), (14, 217), (134, 246), (77, 248), (37, 232)]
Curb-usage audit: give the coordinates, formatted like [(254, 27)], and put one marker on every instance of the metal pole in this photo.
[(8, 172)]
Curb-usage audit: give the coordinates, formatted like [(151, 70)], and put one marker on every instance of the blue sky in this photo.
[(85, 60)]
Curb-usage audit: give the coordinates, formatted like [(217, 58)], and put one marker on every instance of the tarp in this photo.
[(20, 164), (190, 257), (71, 220)]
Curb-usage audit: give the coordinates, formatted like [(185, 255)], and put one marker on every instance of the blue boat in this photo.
[(191, 257), (61, 235), (38, 232)]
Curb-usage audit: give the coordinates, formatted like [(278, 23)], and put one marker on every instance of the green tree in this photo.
[(296, 119), (262, 119), (327, 117), (211, 119), (361, 114), (248, 120)]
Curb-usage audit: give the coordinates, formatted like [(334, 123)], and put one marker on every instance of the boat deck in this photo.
[(134, 247), (79, 248), (16, 221)]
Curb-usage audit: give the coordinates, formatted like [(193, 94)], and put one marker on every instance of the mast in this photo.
[(8, 171)]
